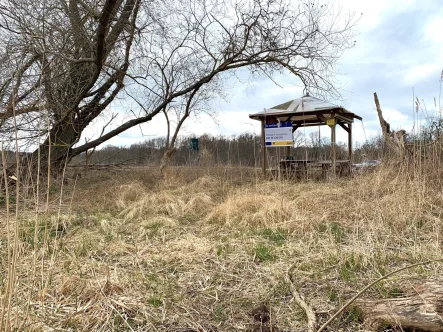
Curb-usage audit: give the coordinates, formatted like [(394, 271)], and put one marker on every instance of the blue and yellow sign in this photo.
[(278, 134)]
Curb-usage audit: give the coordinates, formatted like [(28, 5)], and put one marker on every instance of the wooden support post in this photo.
[(333, 154), (288, 151), (350, 155), (263, 147)]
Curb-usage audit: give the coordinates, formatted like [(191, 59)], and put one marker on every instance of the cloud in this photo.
[(433, 26), (416, 74)]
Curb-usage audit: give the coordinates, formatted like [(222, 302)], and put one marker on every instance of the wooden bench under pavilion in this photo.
[(309, 111)]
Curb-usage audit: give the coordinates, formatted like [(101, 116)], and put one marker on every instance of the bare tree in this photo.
[(182, 52), (195, 103), (197, 45), (64, 63)]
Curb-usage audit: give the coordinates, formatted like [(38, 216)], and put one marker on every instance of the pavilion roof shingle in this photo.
[(302, 107)]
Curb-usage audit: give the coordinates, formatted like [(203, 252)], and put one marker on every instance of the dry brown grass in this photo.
[(207, 250)]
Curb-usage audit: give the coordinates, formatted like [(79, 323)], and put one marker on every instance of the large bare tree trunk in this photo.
[(60, 143), (54, 154), (165, 160)]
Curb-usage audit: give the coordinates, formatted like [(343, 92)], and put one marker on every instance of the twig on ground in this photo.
[(301, 302)]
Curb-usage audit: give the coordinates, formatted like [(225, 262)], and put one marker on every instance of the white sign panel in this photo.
[(278, 134)]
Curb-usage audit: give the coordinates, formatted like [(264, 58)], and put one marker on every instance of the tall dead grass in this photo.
[(202, 249)]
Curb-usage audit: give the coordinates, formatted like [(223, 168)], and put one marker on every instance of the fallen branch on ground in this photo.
[(423, 311), (301, 302), (369, 286)]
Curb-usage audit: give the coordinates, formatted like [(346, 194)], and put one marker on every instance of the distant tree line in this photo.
[(245, 149), (239, 150)]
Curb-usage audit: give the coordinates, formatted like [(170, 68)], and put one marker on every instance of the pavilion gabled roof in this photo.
[(303, 108)]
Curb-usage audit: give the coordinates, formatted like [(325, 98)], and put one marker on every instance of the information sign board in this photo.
[(278, 134)]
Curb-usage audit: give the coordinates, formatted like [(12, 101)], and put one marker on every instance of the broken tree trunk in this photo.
[(385, 127), (395, 140), (420, 312)]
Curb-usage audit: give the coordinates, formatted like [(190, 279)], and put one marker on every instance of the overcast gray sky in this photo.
[(399, 49)]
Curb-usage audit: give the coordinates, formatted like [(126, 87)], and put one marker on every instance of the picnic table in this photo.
[(299, 167)]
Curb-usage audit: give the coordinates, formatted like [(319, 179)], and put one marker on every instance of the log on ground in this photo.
[(422, 311)]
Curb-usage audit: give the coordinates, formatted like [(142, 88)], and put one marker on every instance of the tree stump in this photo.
[(420, 312)]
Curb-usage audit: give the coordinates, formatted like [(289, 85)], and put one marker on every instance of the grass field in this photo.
[(210, 249)]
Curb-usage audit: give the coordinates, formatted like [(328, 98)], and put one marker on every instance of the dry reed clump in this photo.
[(204, 183), (128, 193), (246, 208), (382, 203), (88, 304), (398, 205), (167, 204), (188, 249), (87, 290), (100, 191), (184, 202), (286, 205), (155, 221), (73, 286)]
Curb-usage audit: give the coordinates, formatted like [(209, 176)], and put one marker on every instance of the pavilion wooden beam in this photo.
[(333, 154), (348, 128), (263, 147), (288, 148), (355, 116), (348, 115), (311, 124), (350, 152), (295, 128), (322, 118), (344, 126), (303, 123), (344, 118)]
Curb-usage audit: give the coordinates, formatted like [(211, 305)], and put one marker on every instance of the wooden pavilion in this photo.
[(309, 111)]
